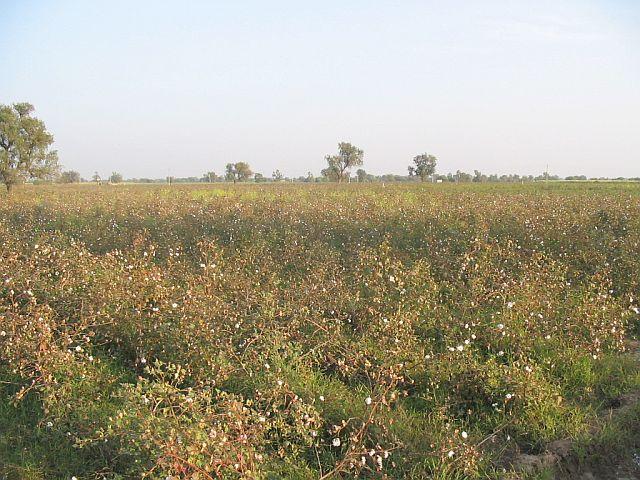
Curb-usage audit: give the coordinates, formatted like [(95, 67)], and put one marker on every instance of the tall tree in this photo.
[(338, 166), (239, 171), (230, 172), (243, 171), (116, 177), (424, 165), (277, 176), (25, 146)]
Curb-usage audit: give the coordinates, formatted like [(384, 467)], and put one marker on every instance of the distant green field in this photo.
[(313, 330)]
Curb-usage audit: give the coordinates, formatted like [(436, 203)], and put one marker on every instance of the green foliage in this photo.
[(424, 166), (267, 331), (25, 146), (69, 176), (338, 166), (239, 171)]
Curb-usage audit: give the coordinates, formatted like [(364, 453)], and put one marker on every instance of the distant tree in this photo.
[(424, 165), (210, 177), (338, 166), (69, 176), (230, 173), (238, 172), (463, 177), (259, 178), (363, 176), (479, 177), (96, 177), (330, 174), (277, 176), (116, 178), (25, 146)]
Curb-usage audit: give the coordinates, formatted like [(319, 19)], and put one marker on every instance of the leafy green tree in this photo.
[(238, 172), (338, 166), (116, 178), (424, 166), (278, 176), (259, 178), (96, 177), (69, 176), (25, 146)]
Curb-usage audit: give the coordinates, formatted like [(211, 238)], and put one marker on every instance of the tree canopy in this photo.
[(69, 176), (116, 178), (25, 146), (238, 172), (424, 166), (338, 165)]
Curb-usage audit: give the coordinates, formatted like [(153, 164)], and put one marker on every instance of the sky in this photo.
[(157, 88)]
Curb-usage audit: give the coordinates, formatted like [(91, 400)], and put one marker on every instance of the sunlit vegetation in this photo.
[(309, 331)]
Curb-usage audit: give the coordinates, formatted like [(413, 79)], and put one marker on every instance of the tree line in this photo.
[(26, 154)]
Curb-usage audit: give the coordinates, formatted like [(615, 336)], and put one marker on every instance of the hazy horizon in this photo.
[(154, 89)]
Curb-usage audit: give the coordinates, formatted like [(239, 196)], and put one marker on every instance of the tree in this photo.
[(96, 177), (115, 177), (230, 173), (25, 146), (259, 178), (424, 166), (210, 177), (479, 177), (338, 165), (363, 176), (277, 176), (239, 171), (463, 177), (70, 176)]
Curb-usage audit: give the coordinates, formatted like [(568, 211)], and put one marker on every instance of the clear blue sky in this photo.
[(150, 88)]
